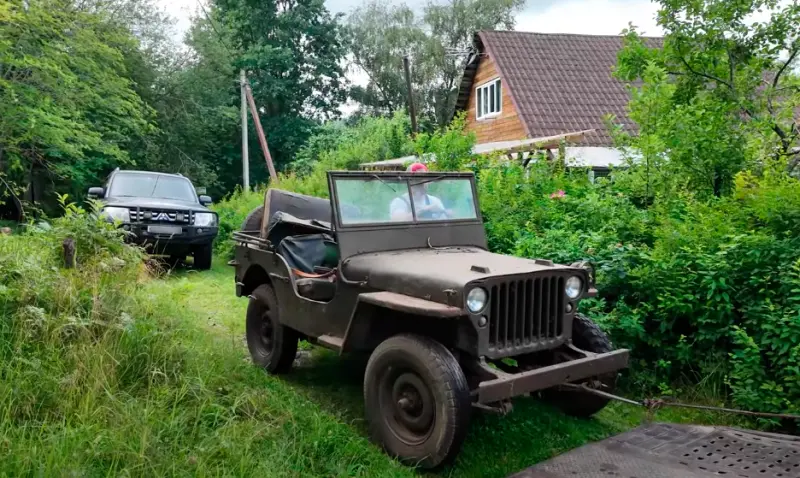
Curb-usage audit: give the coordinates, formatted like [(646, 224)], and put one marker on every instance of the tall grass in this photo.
[(104, 371)]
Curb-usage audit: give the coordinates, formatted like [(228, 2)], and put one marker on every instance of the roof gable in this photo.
[(558, 82)]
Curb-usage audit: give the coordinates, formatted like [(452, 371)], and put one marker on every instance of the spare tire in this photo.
[(253, 220)]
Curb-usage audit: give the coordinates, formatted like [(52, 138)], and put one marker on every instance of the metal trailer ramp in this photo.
[(661, 450)]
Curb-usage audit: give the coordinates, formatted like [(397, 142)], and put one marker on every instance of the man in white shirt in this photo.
[(426, 206)]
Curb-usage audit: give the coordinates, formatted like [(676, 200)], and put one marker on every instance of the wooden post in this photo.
[(245, 150), (260, 132), (411, 110), (69, 252)]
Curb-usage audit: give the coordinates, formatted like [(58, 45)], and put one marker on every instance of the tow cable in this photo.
[(652, 405)]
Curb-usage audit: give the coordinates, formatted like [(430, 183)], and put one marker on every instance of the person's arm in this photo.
[(399, 210)]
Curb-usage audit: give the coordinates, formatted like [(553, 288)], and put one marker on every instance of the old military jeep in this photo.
[(396, 265)]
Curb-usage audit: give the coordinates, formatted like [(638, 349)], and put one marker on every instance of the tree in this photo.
[(293, 52), (380, 36), (437, 43), (734, 100), (67, 107)]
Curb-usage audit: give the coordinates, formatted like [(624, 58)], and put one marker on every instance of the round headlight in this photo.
[(476, 300), (574, 287)]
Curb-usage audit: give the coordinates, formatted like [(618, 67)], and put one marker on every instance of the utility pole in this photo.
[(245, 152), (273, 176), (411, 110)]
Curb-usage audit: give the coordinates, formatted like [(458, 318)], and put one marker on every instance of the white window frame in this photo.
[(482, 92)]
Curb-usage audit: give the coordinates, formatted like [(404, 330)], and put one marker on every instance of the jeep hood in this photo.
[(435, 274), (155, 203)]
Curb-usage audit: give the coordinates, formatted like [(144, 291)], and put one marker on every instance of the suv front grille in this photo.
[(526, 312), (161, 216)]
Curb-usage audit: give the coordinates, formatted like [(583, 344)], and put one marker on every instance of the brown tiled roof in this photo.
[(558, 82)]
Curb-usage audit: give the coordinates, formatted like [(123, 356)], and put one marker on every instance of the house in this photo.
[(519, 85)]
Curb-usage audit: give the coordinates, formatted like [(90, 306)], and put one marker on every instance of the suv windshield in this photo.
[(152, 186), (375, 200)]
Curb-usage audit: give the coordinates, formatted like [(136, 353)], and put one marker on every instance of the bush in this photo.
[(232, 212), (701, 291), (68, 335)]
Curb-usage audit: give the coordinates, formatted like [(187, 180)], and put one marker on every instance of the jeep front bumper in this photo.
[(508, 385)]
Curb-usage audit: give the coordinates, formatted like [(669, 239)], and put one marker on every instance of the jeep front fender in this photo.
[(379, 315)]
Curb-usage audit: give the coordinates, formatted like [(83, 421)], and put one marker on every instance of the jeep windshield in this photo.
[(391, 200), (152, 186)]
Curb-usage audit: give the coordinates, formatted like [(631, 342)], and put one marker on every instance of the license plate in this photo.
[(164, 229)]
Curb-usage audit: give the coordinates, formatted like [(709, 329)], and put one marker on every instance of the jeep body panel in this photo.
[(309, 317), (441, 274)]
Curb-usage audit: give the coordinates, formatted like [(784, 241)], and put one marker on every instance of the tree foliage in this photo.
[(68, 109), (292, 51), (721, 94), (437, 43)]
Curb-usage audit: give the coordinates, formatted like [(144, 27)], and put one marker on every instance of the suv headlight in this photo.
[(574, 287), (121, 214), (476, 300), (205, 219)]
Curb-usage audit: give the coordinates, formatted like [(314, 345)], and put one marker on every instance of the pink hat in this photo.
[(417, 167)]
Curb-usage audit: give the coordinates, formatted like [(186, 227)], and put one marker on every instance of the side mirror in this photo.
[(95, 193), (205, 200)]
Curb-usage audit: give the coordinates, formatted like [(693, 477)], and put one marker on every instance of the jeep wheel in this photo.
[(586, 335), (253, 220), (272, 346), (417, 400), (202, 257)]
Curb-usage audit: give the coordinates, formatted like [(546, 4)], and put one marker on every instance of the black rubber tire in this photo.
[(278, 356), (449, 404), (174, 261), (253, 220), (586, 335), (203, 256)]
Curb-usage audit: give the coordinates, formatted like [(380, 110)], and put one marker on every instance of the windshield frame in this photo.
[(408, 178), (122, 175)]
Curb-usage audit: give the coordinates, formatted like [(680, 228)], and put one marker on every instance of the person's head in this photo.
[(422, 189), (417, 168)]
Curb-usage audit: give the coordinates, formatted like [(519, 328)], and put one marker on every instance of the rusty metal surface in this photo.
[(661, 450), (512, 385)]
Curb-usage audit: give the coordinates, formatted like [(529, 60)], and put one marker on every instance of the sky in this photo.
[(593, 17)]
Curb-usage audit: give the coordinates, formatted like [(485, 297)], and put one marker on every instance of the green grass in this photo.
[(173, 393)]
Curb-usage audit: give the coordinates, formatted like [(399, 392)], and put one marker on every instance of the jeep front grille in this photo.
[(525, 312), (161, 216)]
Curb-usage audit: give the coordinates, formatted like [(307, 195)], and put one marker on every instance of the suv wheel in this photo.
[(417, 400), (272, 346), (586, 335), (202, 257)]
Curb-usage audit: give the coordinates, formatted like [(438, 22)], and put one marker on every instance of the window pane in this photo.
[(499, 94), (485, 100), (371, 201), (152, 185), (491, 98), (443, 199), (478, 104)]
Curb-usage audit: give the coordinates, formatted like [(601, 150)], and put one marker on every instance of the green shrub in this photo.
[(701, 291), (232, 212)]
